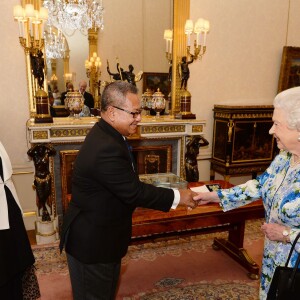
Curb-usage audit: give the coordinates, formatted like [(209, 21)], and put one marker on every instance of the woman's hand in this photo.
[(204, 198), (274, 232)]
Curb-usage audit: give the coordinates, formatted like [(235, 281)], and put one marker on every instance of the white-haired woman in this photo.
[(278, 186)]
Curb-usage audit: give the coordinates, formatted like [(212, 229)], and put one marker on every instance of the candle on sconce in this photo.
[(30, 25), (20, 29), (18, 15), (96, 65), (199, 32), (205, 31), (18, 12), (29, 11), (43, 14), (206, 25), (204, 38), (30, 14), (168, 36), (35, 23), (188, 28)]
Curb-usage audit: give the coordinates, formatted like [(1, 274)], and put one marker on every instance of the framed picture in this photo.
[(151, 160), (67, 159), (153, 81), (290, 68)]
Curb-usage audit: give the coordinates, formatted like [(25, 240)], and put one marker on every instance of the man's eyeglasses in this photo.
[(135, 114)]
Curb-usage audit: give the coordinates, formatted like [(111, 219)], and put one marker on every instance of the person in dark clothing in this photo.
[(88, 98), (70, 88), (106, 190), (17, 272)]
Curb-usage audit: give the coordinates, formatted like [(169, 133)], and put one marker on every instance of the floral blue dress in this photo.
[(279, 188)]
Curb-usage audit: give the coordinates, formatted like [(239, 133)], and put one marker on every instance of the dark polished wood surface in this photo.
[(148, 224)]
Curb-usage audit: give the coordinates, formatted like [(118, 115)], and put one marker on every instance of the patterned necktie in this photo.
[(130, 153)]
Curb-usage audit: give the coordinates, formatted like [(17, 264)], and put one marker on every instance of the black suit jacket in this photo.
[(88, 100), (105, 192), (63, 97)]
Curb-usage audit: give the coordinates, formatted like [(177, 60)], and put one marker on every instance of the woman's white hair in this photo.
[(289, 102)]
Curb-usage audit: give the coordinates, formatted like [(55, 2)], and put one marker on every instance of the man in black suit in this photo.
[(106, 190), (70, 88), (88, 98)]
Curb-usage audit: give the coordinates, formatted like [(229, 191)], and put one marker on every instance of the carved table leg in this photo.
[(234, 248)]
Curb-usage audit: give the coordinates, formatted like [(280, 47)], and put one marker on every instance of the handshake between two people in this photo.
[(192, 199)]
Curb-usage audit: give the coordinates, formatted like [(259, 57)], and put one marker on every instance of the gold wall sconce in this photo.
[(31, 26), (93, 72), (168, 36), (31, 20), (200, 30)]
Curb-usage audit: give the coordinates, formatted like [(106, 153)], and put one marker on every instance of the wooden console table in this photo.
[(148, 224)]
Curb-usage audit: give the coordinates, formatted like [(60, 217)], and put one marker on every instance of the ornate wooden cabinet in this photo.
[(242, 144)]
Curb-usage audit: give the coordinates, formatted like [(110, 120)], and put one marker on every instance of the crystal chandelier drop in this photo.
[(72, 15), (55, 43)]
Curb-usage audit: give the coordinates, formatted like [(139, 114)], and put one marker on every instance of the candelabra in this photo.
[(93, 72), (31, 27), (201, 30), (92, 66), (31, 20), (69, 77)]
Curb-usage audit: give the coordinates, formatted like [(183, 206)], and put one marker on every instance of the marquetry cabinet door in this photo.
[(242, 144)]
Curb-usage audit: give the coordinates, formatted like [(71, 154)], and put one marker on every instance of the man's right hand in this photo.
[(206, 197), (186, 198)]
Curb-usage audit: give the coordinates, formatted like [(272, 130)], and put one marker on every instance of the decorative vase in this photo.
[(74, 102), (147, 101), (158, 102)]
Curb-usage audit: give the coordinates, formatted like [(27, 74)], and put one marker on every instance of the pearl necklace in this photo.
[(293, 162)]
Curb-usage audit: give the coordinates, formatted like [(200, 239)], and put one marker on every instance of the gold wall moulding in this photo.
[(40, 135), (62, 131), (71, 132), (162, 129), (197, 128)]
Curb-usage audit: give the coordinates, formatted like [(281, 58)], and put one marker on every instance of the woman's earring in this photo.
[(299, 138)]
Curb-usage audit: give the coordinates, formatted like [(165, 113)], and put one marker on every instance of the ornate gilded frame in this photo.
[(289, 71), (180, 14), (67, 159), (149, 157), (156, 80)]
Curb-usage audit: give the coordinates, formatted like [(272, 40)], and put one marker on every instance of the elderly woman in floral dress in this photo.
[(278, 186)]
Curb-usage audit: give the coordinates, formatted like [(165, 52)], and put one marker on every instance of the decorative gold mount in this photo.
[(197, 51), (35, 45)]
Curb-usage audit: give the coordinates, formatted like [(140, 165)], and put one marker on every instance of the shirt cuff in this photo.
[(176, 199)]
